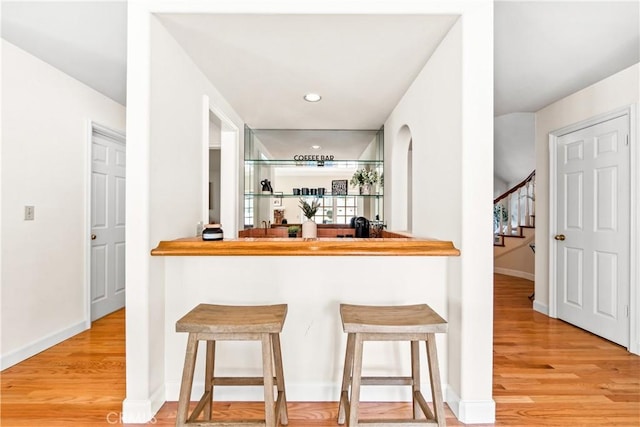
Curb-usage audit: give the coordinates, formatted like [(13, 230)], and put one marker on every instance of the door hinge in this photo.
[(627, 309), (627, 143)]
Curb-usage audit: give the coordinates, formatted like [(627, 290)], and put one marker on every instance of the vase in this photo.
[(365, 189), (309, 229)]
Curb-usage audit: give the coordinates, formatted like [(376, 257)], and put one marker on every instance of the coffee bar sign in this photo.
[(319, 158)]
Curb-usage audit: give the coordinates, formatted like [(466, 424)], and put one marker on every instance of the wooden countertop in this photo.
[(251, 246)]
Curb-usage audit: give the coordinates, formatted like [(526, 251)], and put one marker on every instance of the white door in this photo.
[(108, 162), (592, 203)]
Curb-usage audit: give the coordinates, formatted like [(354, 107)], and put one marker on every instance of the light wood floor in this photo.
[(546, 372)]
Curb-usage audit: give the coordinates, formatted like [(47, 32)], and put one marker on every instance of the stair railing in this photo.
[(515, 208)]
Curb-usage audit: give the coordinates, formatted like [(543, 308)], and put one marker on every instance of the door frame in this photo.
[(230, 154), (631, 113), (116, 134)]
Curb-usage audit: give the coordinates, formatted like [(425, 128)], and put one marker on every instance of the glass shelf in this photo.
[(315, 163), (286, 160), (261, 195)]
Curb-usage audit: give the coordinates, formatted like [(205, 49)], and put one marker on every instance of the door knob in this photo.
[(559, 237), (93, 237)]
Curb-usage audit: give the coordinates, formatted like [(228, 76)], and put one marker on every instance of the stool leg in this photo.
[(346, 378), (415, 374), (282, 395), (208, 377), (267, 373), (434, 375), (187, 380), (354, 404)]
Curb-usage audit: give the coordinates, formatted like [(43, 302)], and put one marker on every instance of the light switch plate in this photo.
[(29, 213)]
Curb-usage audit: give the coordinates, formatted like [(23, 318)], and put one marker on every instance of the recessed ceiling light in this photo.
[(312, 97), (316, 147)]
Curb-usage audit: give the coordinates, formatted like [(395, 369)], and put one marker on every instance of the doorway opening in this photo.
[(403, 180), (220, 160)]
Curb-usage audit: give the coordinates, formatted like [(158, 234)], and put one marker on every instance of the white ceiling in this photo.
[(361, 64), (546, 50), (86, 40), (263, 65)]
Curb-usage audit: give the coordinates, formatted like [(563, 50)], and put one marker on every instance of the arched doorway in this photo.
[(403, 177)]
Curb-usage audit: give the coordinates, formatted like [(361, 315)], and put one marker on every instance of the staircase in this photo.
[(514, 230)]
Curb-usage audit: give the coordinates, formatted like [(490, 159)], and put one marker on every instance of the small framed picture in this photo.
[(339, 187), (277, 200)]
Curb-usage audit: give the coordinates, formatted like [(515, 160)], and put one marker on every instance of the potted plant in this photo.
[(293, 230), (309, 227), (363, 179)]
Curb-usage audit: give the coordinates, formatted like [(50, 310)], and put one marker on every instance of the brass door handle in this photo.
[(93, 237), (559, 237)]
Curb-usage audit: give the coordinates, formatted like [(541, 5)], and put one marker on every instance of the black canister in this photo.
[(296, 191), (212, 232), (305, 191), (362, 226)]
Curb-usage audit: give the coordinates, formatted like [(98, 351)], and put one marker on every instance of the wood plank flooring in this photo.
[(546, 372)]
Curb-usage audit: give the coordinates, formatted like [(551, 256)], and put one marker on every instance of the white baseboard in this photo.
[(541, 308), (35, 347), (471, 411), (515, 273), (143, 411)]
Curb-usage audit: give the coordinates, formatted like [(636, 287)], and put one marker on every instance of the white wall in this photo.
[(514, 153), (452, 188), (45, 163), (169, 124), (617, 91), (469, 284)]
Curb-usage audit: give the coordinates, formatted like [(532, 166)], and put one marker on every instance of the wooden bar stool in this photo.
[(412, 323), (213, 323)]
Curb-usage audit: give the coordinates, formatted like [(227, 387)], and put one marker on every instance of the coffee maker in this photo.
[(361, 225)]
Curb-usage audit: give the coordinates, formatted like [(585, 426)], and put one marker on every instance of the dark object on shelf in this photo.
[(296, 191), (362, 226), (284, 221), (339, 187), (314, 191), (305, 191), (321, 191), (212, 232), (266, 185)]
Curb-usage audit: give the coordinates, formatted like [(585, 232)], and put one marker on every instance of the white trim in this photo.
[(116, 135), (143, 411), (631, 112), (541, 308), (515, 273), (39, 345), (87, 224), (205, 159), (634, 232), (471, 411)]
